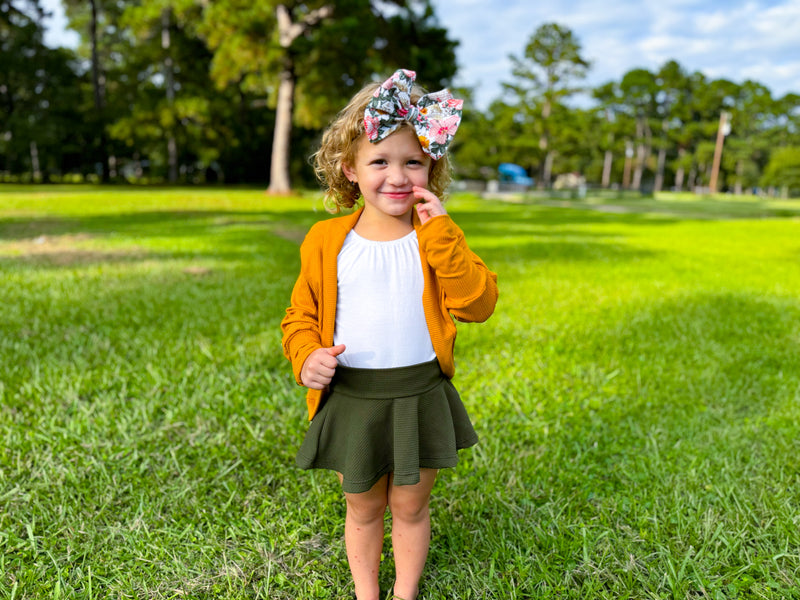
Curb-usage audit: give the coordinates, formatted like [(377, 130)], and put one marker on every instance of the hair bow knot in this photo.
[(435, 117)]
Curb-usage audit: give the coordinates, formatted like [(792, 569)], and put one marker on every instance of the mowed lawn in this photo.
[(637, 395)]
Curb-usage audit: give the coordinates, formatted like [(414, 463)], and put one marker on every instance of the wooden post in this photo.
[(722, 131)]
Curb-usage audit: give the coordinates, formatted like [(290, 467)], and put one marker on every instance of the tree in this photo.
[(783, 169), (609, 102), (290, 27), (106, 48), (639, 90), (93, 8), (156, 20), (756, 120), (545, 77), (164, 117), (672, 111), (283, 51), (39, 95)]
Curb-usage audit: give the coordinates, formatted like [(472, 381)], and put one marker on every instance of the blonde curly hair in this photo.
[(340, 145)]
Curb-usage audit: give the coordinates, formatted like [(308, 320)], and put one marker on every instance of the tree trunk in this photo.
[(607, 160), (639, 168), (679, 174), (169, 80), (99, 93), (642, 152), (544, 143), (662, 159), (548, 168), (36, 170), (279, 182), (288, 31), (626, 173)]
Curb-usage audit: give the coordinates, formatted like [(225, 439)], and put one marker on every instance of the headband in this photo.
[(435, 116)]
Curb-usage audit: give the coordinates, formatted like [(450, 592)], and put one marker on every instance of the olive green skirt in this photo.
[(379, 421)]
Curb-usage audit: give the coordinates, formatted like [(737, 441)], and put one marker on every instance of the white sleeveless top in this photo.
[(379, 313)]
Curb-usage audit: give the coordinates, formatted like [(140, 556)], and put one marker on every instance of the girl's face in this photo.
[(387, 171)]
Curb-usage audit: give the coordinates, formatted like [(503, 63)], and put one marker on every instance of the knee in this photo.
[(365, 510), (409, 509)]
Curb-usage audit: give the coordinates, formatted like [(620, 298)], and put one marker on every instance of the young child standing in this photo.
[(369, 331)]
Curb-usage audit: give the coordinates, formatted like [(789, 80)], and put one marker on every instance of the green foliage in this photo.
[(223, 65), (40, 128), (552, 61), (660, 126), (636, 395), (783, 169), (543, 79), (359, 40)]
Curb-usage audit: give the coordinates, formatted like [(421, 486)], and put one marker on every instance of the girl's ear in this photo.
[(349, 172)]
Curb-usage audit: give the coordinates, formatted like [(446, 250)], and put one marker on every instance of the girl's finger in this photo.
[(423, 194)]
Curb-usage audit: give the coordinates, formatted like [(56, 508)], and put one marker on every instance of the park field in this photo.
[(637, 395)]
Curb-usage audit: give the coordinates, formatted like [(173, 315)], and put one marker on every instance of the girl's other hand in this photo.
[(320, 366), (429, 206)]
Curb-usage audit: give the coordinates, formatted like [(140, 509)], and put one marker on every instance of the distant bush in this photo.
[(783, 170)]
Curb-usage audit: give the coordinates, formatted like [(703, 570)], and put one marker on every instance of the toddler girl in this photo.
[(369, 331)]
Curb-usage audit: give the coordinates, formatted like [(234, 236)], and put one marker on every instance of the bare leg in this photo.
[(411, 531), (363, 537)]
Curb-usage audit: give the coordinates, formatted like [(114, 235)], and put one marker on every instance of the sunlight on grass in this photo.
[(636, 394)]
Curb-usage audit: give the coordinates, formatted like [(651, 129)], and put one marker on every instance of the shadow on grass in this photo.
[(234, 236), (497, 221), (691, 208), (497, 217), (674, 367), (167, 223), (517, 235), (603, 464), (609, 432)]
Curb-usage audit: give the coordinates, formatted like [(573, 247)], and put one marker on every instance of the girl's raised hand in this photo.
[(429, 206), (320, 366)]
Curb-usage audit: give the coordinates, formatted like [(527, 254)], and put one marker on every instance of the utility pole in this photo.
[(723, 130)]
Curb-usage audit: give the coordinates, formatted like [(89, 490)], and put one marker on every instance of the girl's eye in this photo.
[(414, 161)]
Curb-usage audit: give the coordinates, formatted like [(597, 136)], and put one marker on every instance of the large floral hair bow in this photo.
[(435, 116)]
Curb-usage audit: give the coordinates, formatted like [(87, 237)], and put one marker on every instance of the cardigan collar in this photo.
[(348, 222)]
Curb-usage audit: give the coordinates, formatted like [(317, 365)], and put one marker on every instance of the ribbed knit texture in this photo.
[(457, 283)]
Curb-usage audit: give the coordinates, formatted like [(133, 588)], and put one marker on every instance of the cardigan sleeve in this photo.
[(469, 287), (300, 326)]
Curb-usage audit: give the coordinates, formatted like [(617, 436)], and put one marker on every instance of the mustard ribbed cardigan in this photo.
[(457, 283)]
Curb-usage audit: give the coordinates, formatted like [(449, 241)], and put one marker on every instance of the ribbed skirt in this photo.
[(379, 421)]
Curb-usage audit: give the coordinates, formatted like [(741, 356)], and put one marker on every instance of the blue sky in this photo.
[(734, 39)]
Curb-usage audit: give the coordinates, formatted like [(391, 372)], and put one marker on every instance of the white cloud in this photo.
[(780, 26), (734, 39)]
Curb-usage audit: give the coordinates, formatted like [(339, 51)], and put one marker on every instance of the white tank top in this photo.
[(379, 313)]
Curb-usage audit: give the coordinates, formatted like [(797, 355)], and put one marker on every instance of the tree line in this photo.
[(193, 91), (651, 130), (197, 91)]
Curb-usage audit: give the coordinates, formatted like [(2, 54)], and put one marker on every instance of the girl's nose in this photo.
[(397, 176)]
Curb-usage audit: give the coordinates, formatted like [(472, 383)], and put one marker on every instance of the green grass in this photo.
[(685, 204), (637, 394)]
